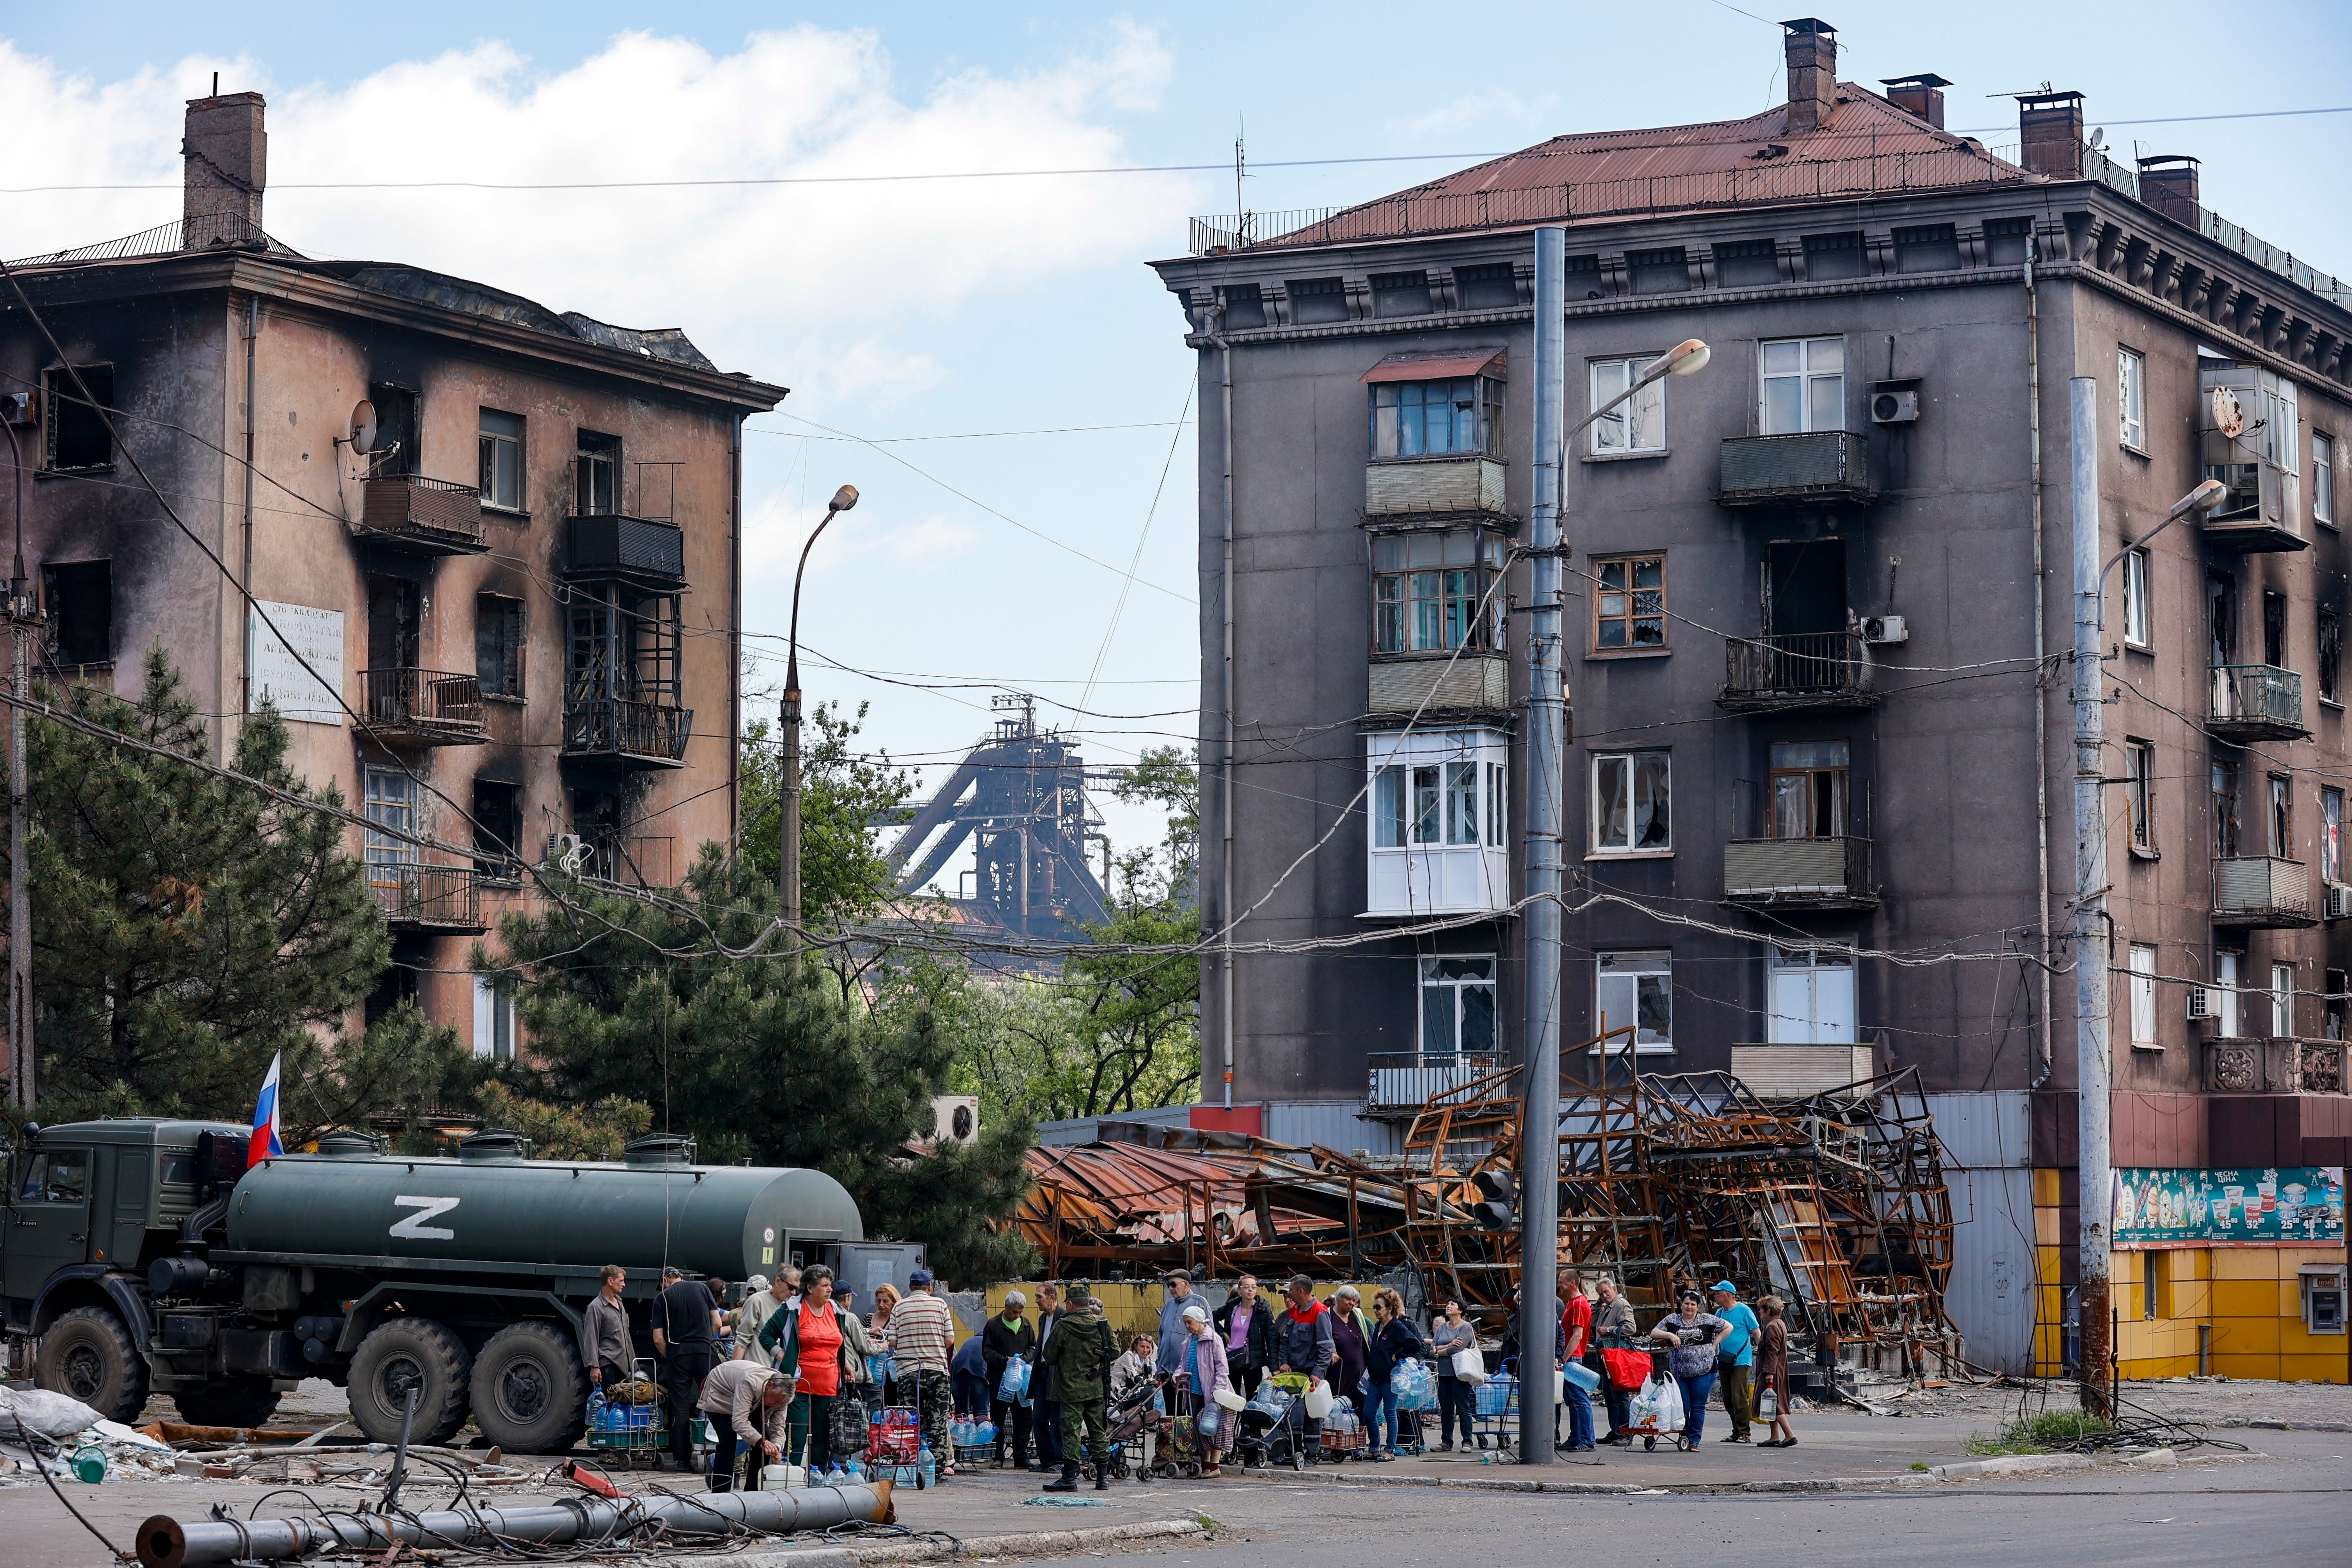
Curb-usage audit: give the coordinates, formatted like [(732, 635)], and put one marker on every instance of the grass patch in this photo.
[(1918, 1464), (2040, 1434)]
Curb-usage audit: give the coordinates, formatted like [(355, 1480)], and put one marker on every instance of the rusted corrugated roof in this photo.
[(1867, 146), (1431, 367)]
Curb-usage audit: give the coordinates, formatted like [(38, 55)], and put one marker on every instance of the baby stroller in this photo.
[(1272, 1429), (1130, 1421), (1173, 1447)]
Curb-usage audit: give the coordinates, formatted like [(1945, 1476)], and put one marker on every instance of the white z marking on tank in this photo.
[(414, 1227)]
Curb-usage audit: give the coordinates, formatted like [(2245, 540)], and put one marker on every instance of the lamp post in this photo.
[(22, 617), (1547, 780), (788, 860), (2093, 1162)]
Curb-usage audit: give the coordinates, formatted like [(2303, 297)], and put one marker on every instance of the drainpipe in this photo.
[(1225, 759), (2041, 635), (245, 575)]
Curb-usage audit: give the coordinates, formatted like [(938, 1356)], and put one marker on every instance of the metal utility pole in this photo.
[(1547, 699), (23, 615), (2094, 1170), (788, 856)]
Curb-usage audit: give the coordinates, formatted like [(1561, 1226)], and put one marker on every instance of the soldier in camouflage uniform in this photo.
[(1080, 1353)]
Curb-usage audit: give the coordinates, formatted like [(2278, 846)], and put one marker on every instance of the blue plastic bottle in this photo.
[(927, 1463)]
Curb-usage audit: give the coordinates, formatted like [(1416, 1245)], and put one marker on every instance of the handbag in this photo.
[(847, 1425), (1469, 1365), (1628, 1369)]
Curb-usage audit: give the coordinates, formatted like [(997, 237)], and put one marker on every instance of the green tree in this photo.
[(185, 926), (758, 1056)]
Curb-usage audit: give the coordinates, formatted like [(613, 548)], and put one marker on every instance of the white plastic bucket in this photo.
[(1318, 1401), (782, 1478)]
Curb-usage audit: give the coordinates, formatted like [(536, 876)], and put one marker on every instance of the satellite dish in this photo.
[(2228, 418), (363, 427)]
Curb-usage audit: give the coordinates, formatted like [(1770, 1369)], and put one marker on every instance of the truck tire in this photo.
[(231, 1402), (530, 1395), (89, 1355), (404, 1353)]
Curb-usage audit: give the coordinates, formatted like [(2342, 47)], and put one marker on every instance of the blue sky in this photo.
[(947, 308)]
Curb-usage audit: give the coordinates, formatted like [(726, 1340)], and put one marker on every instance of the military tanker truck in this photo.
[(144, 1255)]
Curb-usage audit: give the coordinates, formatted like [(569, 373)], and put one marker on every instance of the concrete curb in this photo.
[(2010, 1465), (1032, 1543), (2239, 1422)]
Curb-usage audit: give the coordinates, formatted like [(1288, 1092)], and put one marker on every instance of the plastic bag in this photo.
[(1013, 1388), (1658, 1403), (1415, 1386), (1469, 1365), (45, 1414)]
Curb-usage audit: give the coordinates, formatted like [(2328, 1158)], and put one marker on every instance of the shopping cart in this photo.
[(894, 1435), (1495, 1413), (626, 1422)]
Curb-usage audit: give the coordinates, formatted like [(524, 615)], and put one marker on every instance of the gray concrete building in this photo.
[(1818, 799), (516, 598)]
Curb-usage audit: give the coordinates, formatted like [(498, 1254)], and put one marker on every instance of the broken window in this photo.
[(395, 622), (1810, 789), (391, 810), (1457, 1004), (78, 434), (1428, 588), (2225, 809), (1803, 385), (1638, 424), (2274, 630), (1631, 793), (2221, 616), (79, 597), (2282, 816), (498, 827), (394, 456), (1629, 603), (2323, 479), (2331, 834), (498, 644), (2331, 1024), (500, 442), (2140, 762), (596, 476), (1636, 988), (2331, 655), (2281, 1001)]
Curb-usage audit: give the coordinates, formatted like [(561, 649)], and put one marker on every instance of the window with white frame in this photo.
[(2331, 834), (2228, 970), (1438, 807), (494, 1018), (2282, 428), (1632, 800), (1431, 591), (2140, 762), (1437, 803), (2143, 993), (2136, 620), (1639, 424), (502, 460), (1811, 997), (1457, 1003), (2323, 479), (2131, 397), (1802, 385), (1636, 989), (2281, 1001), (391, 804)]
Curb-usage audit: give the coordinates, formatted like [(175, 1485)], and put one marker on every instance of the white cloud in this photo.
[(1469, 114), (779, 524)]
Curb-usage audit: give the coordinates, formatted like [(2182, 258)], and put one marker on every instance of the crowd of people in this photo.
[(782, 1373)]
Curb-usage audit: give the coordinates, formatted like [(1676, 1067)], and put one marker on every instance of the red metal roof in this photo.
[(1867, 146), (1431, 367)]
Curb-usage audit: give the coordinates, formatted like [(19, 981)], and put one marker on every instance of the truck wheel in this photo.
[(89, 1355), (530, 1393), (401, 1354), (231, 1402)]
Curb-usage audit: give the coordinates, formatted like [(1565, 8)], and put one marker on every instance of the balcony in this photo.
[(442, 899), (1474, 683), (424, 516), (2261, 892), (1799, 1072), (648, 554), (2241, 1065), (631, 734), (1817, 465), (1459, 484), (1815, 669), (1403, 1081), (424, 707), (1799, 873), (2262, 514), (2256, 702)]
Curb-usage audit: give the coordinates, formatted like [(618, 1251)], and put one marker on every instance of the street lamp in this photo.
[(1547, 784), (788, 867)]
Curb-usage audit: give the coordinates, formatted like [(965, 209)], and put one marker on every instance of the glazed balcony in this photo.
[(1820, 669), (422, 516), (2256, 702), (1800, 874), (424, 707), (1776, 470)]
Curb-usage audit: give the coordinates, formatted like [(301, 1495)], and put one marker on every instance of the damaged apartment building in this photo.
[(1817, 808), (495, 549)]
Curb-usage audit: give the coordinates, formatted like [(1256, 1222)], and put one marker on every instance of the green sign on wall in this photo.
[(2291, 1206)]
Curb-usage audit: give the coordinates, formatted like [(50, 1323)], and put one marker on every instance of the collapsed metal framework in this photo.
[(1836, 1202)]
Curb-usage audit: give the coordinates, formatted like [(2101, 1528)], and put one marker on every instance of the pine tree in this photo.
[(185, 926)]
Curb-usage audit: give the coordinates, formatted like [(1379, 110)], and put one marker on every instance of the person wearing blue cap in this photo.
[(1735, 1358)]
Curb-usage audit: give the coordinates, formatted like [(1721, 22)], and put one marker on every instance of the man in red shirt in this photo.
[(1576, 1323)]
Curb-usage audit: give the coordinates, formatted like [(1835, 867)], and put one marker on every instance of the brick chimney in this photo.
[(226, 155), (1811, 47), (2050, 129), (1922, 95), (2168, 183)]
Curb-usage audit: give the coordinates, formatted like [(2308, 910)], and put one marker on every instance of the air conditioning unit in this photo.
[(1894, 402), (2204, 1002), (955, 1118), (569, 851), (20, 408), (2338, 905), (1884, 631)]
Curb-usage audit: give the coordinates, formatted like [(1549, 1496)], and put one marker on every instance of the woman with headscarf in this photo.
[(1351, 1335), (1204, 1371)]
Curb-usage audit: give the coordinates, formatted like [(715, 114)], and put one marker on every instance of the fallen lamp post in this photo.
[(165, 1543)]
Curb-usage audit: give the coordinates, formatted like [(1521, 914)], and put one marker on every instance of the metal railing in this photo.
[(619, 726), (1409, 1078), (445, 896), (2257, 694), (1794, 466), (422, 700), (206, 232), (2123, 177), (1812, 665), (439, 514), (1797, 870)]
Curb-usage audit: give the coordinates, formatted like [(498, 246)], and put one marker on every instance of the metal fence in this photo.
[(1402, 1079), (617, 726), (2257, 694), (423, 699), (1820, 663), (448, 896)]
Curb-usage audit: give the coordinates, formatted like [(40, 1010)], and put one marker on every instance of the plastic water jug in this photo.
[(1767, 1405), (1318, 1401), (1583, 1376), (928, 1463), (782, 1478)]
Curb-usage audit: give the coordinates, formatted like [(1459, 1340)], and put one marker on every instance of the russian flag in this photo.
[(266, 1141)]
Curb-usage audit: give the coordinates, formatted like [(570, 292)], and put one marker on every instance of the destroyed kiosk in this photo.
[(142, 1256)]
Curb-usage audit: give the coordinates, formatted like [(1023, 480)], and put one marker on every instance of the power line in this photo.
[(963, 435)]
